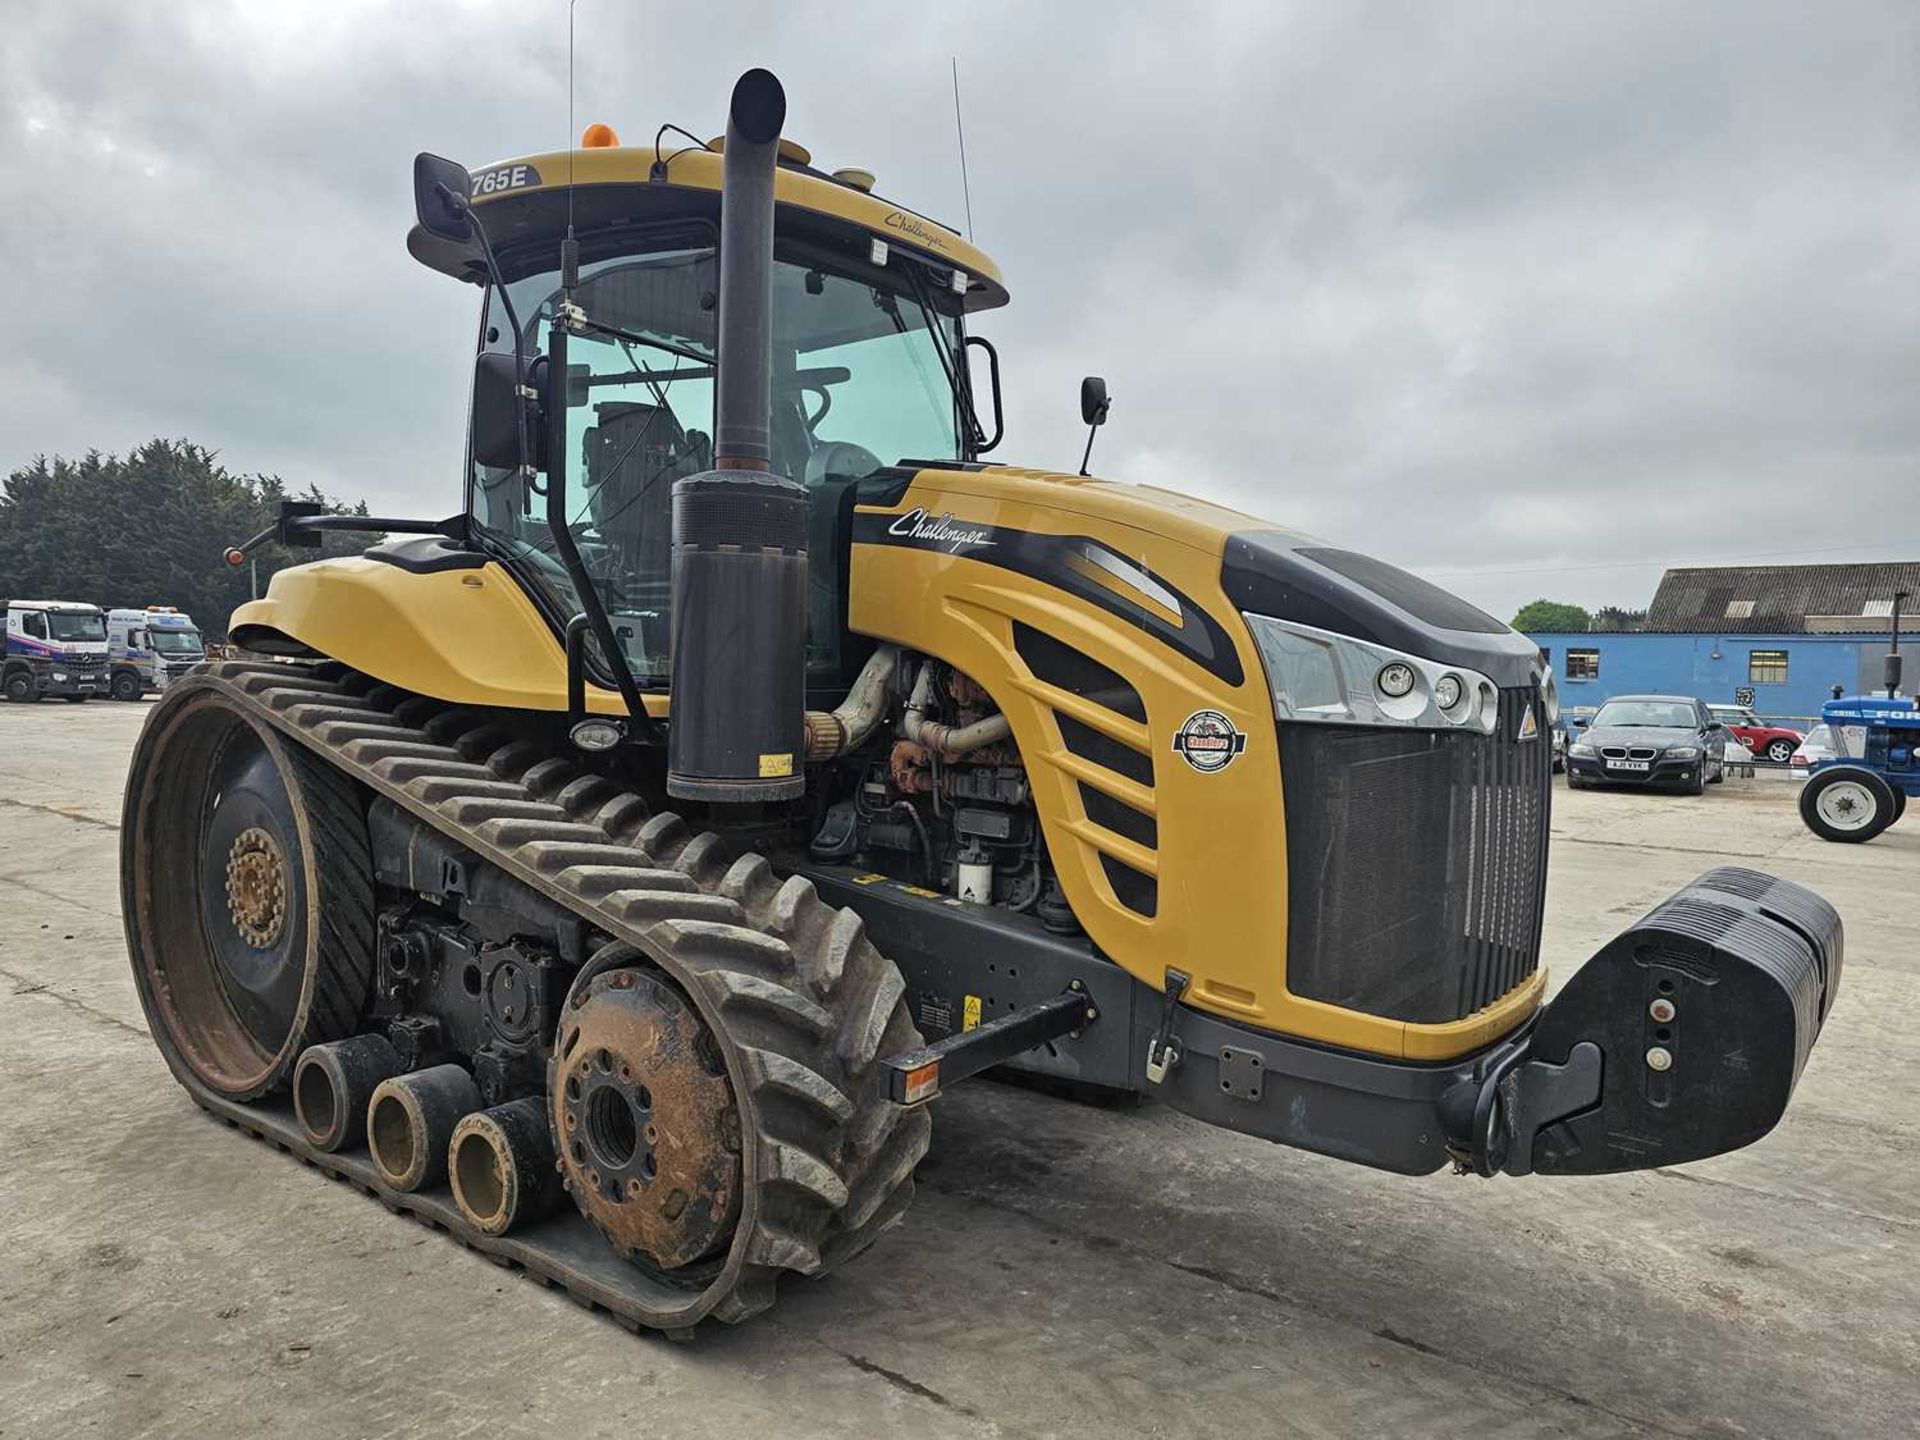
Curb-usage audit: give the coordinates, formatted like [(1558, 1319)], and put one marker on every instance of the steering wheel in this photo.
[(839, 457)]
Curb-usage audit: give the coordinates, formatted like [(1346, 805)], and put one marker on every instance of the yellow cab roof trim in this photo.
[(697, 169)]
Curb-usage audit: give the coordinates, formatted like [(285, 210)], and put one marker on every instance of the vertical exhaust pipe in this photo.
[(739, 530)]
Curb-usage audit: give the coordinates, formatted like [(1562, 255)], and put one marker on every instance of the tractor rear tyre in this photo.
[(1847, 804), (247, 894)]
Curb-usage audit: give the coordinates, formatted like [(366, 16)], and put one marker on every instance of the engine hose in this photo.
[(831, 733), (947, 740)]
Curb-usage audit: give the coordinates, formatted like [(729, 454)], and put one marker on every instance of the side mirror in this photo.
[(1093, 413), (1093, 401), (441, 189), (495, 434)]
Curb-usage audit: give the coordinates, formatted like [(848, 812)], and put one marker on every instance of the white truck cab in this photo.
[(148, 649), (54, 647)]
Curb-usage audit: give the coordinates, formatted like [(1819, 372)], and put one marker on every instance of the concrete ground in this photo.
[(1066, 1270)]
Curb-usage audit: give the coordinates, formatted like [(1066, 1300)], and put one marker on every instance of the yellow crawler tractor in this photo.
[(641, 849)]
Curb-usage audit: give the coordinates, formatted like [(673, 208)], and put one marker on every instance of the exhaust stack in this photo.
[(739, 530)]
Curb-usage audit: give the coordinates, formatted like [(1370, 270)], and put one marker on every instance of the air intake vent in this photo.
[(1139, 893), (1089, 744), (1111, 814), (1059, 664)]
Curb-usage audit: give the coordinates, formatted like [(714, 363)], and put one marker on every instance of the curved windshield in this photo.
[(176, 642), (69, 625), (1663, 714), (860, 371)]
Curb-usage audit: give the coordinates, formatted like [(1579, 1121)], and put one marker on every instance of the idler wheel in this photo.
[(648, 1130), (247, 888)]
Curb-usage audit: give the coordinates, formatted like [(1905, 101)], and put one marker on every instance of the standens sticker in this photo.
[(1208, 741)]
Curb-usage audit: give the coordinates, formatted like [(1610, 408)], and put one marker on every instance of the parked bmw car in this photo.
[(1769, 742), (1669, 740)]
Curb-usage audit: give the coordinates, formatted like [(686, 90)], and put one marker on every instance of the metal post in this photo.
[(1893, 655), (253, 567)]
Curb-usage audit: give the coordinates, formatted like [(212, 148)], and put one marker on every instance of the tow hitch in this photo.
[(1683, 1038)]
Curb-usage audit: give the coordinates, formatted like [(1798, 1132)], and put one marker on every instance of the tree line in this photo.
[(146, 528), (1555, 617)]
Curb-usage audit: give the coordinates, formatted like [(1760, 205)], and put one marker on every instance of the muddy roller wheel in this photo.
[(247, 893)]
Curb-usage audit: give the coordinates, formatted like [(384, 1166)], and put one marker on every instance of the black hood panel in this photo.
[(1289, 577)]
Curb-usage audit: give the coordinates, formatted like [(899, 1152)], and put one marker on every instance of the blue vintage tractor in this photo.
[(1875, 767)]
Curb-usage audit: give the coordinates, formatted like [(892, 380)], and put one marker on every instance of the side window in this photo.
[(1583, 664), (34, 622), (1767, 667)]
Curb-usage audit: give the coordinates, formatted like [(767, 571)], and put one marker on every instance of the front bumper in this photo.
[(1659, 771), (1682, 1038), (81, 682)]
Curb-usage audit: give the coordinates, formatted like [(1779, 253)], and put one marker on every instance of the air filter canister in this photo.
[(736, 732)]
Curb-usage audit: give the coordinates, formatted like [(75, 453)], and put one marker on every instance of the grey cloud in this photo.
[(1410, 277)]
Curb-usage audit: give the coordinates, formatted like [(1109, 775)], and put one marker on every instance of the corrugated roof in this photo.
[(1783, 599)]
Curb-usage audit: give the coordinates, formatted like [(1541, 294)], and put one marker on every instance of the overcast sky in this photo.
[(1533, 299)]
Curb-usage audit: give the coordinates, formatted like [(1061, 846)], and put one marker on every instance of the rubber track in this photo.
[(802, 999)]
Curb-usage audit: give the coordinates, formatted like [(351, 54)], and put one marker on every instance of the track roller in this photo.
[(333, 1087), (501, 1165), (410, 1124)]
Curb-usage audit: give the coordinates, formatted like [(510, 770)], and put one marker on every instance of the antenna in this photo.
[(569, 247), (960, 131)]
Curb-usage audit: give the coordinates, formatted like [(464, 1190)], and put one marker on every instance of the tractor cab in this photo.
[(869, 366)]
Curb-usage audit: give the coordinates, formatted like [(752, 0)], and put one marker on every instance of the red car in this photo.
[(1767, 742)]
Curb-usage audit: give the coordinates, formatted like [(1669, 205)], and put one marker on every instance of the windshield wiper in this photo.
[(950, 360)]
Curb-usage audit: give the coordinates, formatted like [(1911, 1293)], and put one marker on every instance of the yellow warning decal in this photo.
[(970, 1013), (919, 890), (868, 879), (772, 767)]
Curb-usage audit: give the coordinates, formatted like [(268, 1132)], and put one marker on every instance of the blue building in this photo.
[(1776, 637)]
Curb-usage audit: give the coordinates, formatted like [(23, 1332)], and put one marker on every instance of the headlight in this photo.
[(1683, 752), (1580, 747), (1318, 675), (1396, 679)]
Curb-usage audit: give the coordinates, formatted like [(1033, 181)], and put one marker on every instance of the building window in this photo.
[(1583, 664), (1767, 667), (1739, 610), (1546, 656)]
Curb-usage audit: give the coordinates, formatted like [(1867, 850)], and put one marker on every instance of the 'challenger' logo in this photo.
[(915, 229), (956, 535), (1208, 741)]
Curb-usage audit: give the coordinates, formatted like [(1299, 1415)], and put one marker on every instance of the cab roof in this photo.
[(525, 199)]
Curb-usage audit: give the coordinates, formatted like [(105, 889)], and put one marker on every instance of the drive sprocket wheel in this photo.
[(247, 894)]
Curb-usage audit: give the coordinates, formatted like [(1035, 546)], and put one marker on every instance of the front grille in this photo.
[(82, 662), (1416, 863), (1622, 752)]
